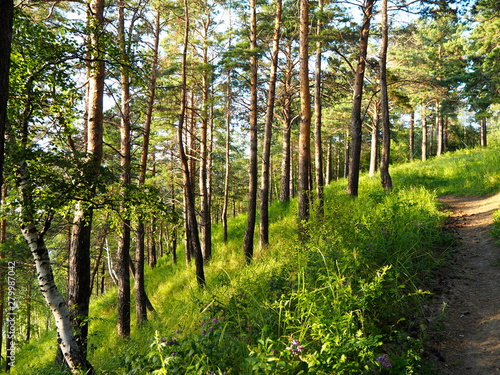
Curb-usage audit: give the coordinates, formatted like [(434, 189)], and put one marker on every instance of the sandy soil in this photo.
[(465, 313)]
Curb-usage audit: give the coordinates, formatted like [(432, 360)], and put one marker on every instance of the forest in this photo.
[(235, 187)]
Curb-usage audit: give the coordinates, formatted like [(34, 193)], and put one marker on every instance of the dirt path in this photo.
[(469, 287)]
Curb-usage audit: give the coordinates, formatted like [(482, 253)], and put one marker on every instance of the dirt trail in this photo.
[(469, 287)]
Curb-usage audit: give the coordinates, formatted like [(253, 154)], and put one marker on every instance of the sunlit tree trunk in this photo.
[(248, 244), (374, 139), (356, 120), (227, 168), (385, 176), (318, 146), (412, 135), (439, 130), (483, 132), (266, 158), (305, 120), (424, 134)]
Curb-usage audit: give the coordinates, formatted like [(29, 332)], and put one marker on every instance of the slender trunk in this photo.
[(374, 142), (205, 214), (424, 134), (3, 238), (141, 314), (227, 157), (483, 132), (28, 312), (122, 253), (68, 344), (248, 244), (412, 135), (439, 130), (187, 182), (385, 176), (268, 129), (346, 154), (97, 263), (329, 163), (318, 151), (356, 120), (305, 120)]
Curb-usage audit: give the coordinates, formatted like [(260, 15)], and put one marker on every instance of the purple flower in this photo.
[(384, 360), (163, 339), (295, 342), (173, 354), (215, 320), (203, 333)]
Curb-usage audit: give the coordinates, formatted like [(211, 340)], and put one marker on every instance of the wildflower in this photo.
[(295, 347), (173, 354), (384, 360), (215, 320), (163, 339), (203, 333)]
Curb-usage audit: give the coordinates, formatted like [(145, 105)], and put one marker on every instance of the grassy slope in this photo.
[(367, 258)]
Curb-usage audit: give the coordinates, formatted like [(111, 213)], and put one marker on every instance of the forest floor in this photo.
[(464, 323)]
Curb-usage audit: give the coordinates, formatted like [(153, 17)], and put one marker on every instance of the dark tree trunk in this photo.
[(227, 157), (268, 129), (192, 224), (356, 120), (385, 176), (318, 146), (248, 244), (305, 121), (141, 314)]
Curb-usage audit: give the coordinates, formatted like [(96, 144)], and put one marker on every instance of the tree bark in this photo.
[(412, 135), (268, 130), (248, 244), (123, 251), (483, 132), (318, 146), (227, 168), (374, 141), (356, 120), (187, 178), (424, 134), (79, 255), (205, 212), (305, 121), (68, 344), (385, 176), (439, 130)]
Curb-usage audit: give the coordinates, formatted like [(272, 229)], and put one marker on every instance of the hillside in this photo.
[(349, 300)]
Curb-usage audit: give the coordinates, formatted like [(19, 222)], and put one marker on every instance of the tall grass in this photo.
[(347, 301)]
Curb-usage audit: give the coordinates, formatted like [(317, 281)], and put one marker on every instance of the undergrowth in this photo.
[(346, 301)]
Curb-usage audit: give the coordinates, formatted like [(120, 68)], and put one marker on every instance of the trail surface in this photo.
[(466, 338)]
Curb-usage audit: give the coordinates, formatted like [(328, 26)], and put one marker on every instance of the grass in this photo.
[(349, 298)]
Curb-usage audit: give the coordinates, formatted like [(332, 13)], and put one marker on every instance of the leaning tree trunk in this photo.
[(268, 130), (72, 353), (305, 121), (248, 244), (356, 120), (385, 177)]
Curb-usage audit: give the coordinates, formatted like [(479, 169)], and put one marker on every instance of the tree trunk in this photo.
[(374, 141), (268, 129), (356, 120), (439, 130), (187, 180), (329, 162), (483, 132), (6, 17), (123, 251), (412, 135), (141, 314), (248, 244), (79, 255), (424, 134), (205, 212), (305, 120), (318, 147), (385, 176), (227, 157), (68, 344)]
